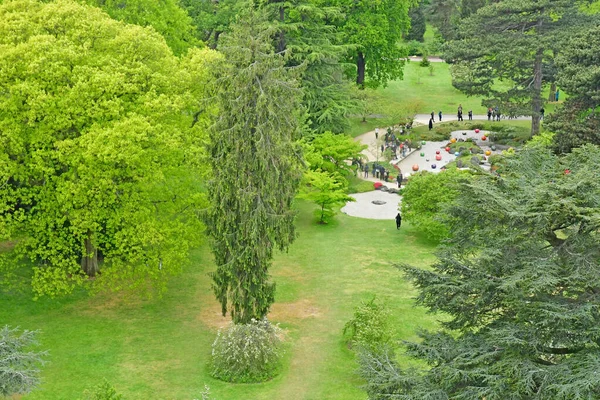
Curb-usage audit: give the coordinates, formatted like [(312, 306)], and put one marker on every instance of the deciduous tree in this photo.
[(102, 171)]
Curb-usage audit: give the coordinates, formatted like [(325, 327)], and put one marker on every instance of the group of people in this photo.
[(493, 114), (459, 114), (377, 171), (392, 142)]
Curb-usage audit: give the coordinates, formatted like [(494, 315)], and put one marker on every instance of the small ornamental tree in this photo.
[(325, 189), (19, 364), (519, 282)]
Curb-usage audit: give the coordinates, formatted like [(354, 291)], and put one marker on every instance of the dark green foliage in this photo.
[(578, 120), (519, 279), (417, 24), (305, 31), (19, 365), (513, 42), (212, 18), (256, 167)]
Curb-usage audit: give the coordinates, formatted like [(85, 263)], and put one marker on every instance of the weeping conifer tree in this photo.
[(256, 167)]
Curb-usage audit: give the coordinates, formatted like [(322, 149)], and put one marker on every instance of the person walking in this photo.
[(399, 180), (376, 133), (440, 115), (489, 113), (432, 114), (431, 123), (398, 221), (366, 169), (470, 115)]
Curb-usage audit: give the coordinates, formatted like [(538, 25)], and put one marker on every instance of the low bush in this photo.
[(369, 328), (247, 353), (104, 391)]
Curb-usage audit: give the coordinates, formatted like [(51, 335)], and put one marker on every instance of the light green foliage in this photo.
[(519, 280), (104, 391), (165, 16), (102, 168), (247, 353), (325, 189), (332, 153), (369, 329), (256, 167), (19, 365), (374, 28), (424, 198)]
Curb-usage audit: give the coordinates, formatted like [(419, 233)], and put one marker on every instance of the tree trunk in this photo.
[(552, 94), (281, 44), (213, 45), (360, 65), (89, 260), (536, 103)]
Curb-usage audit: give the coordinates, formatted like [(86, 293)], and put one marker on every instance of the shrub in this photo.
[(104, 391), (425, 196), (476, 125), (415, 48), (247, 353), (425, 61), (369, 328)]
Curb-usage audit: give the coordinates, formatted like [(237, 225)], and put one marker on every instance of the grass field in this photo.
[(425, 93), (159, 349)]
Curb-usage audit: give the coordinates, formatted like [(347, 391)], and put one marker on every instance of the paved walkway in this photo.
[(363, 206), (423, 119)]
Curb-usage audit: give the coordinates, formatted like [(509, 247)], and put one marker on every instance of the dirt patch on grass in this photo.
[(212, 317), (280, 312), (289, 312), (293, 272)]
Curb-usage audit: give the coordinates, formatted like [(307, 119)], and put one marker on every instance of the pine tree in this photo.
[(511, 42), (256, 167), (519, 282)]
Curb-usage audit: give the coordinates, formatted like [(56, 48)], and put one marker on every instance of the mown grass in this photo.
[(424, 92), (160, 348)]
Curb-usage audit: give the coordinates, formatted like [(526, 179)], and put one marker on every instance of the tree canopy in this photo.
[(578, 121), (519, 282), (101, 168), (506, 51), (374, 29)]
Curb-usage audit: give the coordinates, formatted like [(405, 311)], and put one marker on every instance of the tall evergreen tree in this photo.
[(505, 51), (578, 121), (256, 167), (417, 24), (305, 31), (519, 280)]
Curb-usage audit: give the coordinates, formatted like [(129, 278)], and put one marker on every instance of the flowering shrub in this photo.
[(247, 352)]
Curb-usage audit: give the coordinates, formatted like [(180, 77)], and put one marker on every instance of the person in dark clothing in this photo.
[(470, 115), (398, 221), (460, 117), (440, 115), (399, 180), (542, 111), (489, 113), (431, 123), (432, 114), (366, 169)]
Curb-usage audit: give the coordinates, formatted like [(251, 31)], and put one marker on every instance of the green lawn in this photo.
[(425, 93), (159, 348)]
